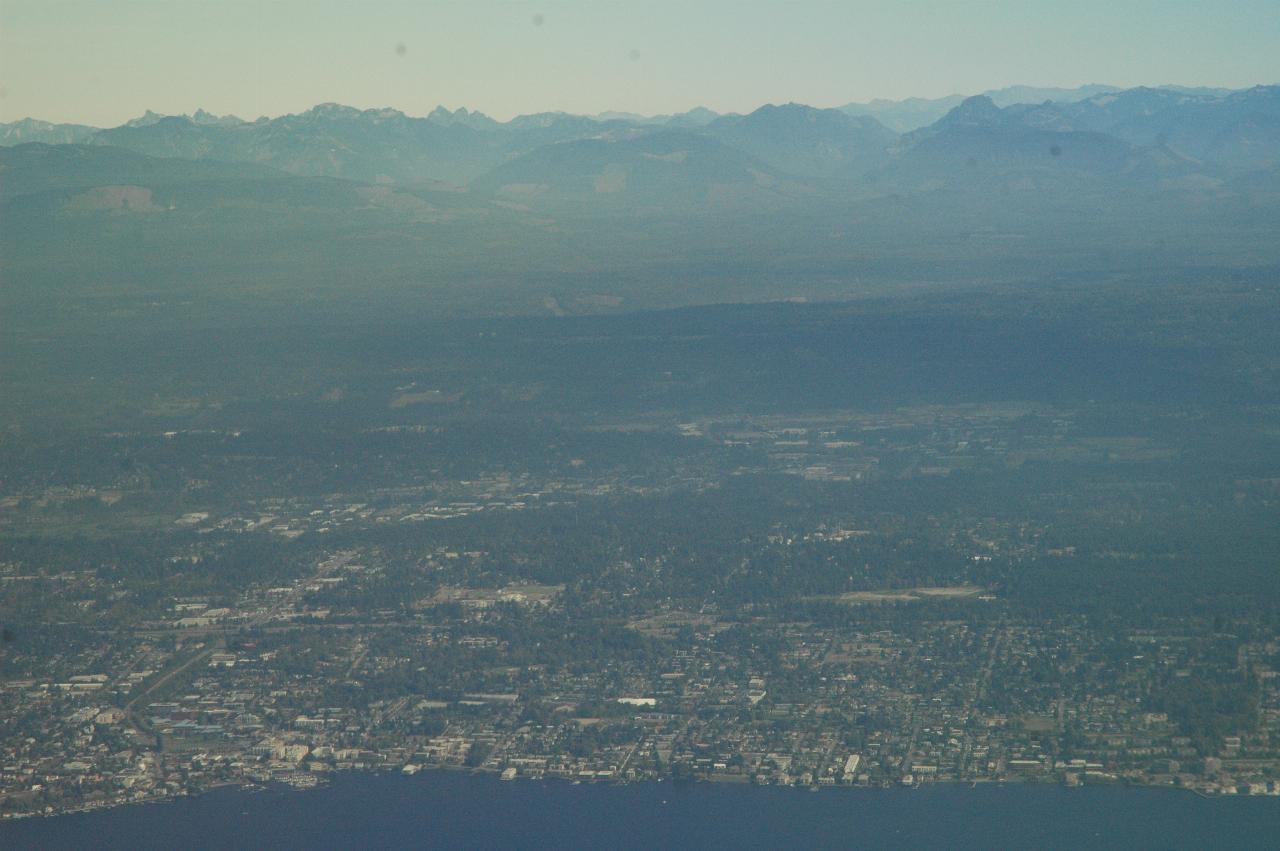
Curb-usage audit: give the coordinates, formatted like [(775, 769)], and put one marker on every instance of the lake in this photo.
[(455, 810)]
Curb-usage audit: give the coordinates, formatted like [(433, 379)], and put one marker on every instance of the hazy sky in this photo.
[(105, 61)]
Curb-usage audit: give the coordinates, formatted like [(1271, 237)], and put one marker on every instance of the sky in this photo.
[(105, 61)]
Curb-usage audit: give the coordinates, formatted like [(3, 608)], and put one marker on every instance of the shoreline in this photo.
[(324, 779)]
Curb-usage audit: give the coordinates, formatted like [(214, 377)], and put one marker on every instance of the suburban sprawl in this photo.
[(387, 635)]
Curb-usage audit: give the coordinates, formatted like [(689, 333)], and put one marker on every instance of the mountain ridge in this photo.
[(1142, 136)]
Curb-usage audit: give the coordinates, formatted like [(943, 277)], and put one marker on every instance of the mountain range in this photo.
[(910, 114), (592, 212), (1093, 128)]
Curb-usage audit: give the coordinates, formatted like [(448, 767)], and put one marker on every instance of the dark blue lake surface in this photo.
[(448, 810)]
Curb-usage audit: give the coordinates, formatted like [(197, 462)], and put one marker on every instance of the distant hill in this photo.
[(669, 170), (198, 117), (52, 180), (372, 145), (914, 113), (461, 115), (31, 130), (699, 116), (1010, 95), (979, 145), (328, 140), (1239, 129), (37, 167), (903, 116), (910, 114), (806, 141)]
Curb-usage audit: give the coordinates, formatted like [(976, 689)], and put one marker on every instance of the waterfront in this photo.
[(452, 810)]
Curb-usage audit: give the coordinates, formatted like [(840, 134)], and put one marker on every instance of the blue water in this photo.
[(449, 810)]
